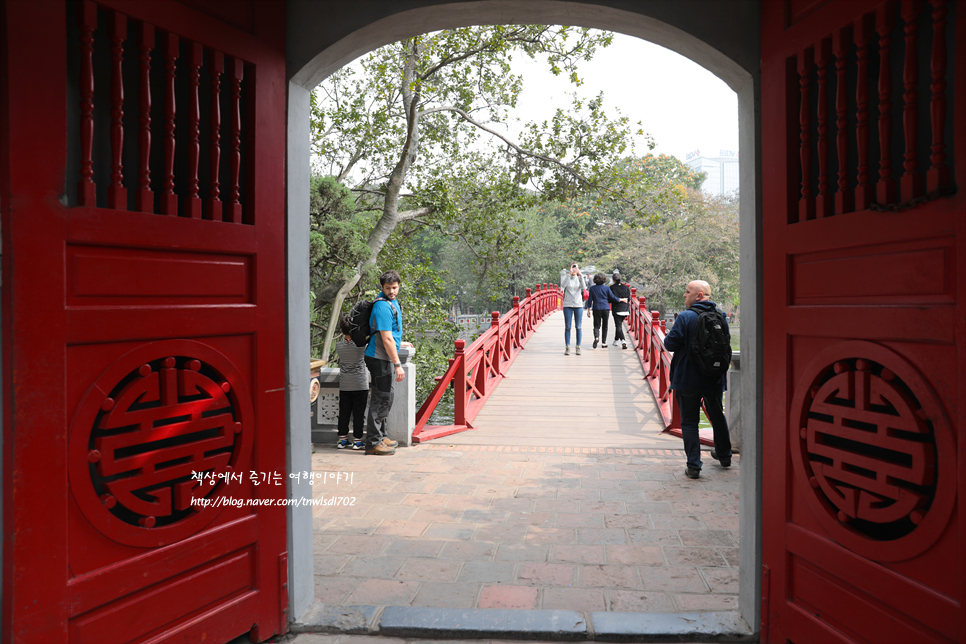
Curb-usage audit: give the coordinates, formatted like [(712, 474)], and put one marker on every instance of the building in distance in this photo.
[(721, 170)]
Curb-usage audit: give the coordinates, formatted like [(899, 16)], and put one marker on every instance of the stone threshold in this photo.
[(518, 624)]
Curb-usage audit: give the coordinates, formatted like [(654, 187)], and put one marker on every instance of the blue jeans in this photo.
[(690, 404), (572, 313)]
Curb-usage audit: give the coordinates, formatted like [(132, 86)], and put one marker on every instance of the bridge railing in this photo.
[(476, 370)]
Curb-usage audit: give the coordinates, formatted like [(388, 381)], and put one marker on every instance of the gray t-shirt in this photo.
[(353, 375)]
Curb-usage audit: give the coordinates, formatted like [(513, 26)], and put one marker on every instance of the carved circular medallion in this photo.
[(874, 451), (157, 418)]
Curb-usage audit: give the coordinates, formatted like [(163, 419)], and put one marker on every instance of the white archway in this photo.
[(322, 39)]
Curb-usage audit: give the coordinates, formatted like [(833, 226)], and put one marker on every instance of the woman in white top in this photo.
[(573, 285)]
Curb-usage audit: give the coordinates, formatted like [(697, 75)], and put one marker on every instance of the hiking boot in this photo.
[(380, 449), (390, 442), (692, 472), (595, 343), (567, 350), (578, 351), (358, 445), (343, 443), (724, 462)]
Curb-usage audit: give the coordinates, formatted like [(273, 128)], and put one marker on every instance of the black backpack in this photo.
[(710, 348), (359, 329)]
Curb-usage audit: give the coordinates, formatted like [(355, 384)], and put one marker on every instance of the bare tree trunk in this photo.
[(390, 210)]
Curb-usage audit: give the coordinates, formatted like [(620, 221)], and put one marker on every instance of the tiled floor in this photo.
[(526, 527)]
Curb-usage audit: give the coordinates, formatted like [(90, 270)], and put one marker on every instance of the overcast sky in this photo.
[(681, 104)]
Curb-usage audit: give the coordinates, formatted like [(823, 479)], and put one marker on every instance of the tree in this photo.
[(412, 114)]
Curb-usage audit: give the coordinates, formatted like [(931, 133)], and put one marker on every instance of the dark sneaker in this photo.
[(343, 443), (724, 462), (595, 342), (358, 445), (603, 346), (692, 472)]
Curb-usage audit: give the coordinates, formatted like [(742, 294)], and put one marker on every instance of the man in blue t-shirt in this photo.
[(382, 360), (691, 387)]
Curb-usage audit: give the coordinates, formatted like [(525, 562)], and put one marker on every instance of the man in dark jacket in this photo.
[(691, 386), (621, 309)]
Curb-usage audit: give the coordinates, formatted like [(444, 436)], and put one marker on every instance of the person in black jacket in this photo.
[(620, 310), (600, 300), (691, 386)]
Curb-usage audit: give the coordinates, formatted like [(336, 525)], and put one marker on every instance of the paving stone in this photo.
[(426, 569), (674, 522), (566, 520), (659, 537), (536, 493), (456, 488), (425, 500), (553, 505), (466, 502), (322, 541), (575, 599), (501, 533), (468, 550), (621, 521), (634, 554), (336, 619), (350, 526), (530, 518), (437, 515), (730, 555), (637, 601), (383, 592), (603, 507), (593, 536), (693, 507), (512, 504), (707, 538), (577, 554), (487, 571), (643, 485), (673, 578), (329, 564), (537, 534), (606, 484), (721, 580), (401, 528), (619, 475), (546, 574), (416, 487), (332, 590), (373, 567), (403, 547), (439, 594), (382, 498), (504, 596), (483, 516), (665, 495), (358, 544), (706, 602), (722, 522), (578, 495), (482, 479), (449, 531), (608, 577), (626, 496), (649, 507), (686, 556), (522, 552)]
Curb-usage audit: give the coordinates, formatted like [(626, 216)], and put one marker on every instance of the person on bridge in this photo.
[(620, 310), (573, 285), (601, 297), (691, 386), (382, 360)]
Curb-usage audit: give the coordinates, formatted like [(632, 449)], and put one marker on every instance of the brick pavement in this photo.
[(585, 529)]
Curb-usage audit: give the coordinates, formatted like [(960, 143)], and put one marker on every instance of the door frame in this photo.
[(314, 54)]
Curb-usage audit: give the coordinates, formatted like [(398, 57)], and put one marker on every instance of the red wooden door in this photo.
[(863, 142), (143, 329)]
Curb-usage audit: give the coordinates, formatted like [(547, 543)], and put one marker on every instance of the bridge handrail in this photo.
[(648, 332), (481, 366)]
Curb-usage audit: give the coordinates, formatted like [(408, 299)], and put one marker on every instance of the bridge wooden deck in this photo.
[(597, 399)]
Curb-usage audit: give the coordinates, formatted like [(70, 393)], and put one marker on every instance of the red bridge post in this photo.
[(517, 334), (459, 384), (495, 352)]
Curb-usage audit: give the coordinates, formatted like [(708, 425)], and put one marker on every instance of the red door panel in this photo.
[(143, 334), (864, 246)]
